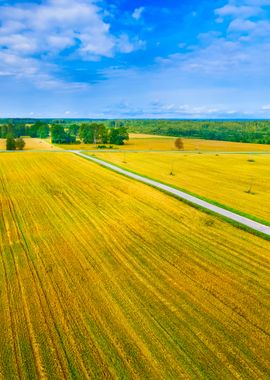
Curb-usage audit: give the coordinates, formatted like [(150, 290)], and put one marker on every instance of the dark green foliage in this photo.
[(38, 129), (43, 131), (19, 143), (249, 131), (87, 133), (105, 147), (60, 136), (73, 129), (94, 133), (18, 129), (118, 135), (10, 143)]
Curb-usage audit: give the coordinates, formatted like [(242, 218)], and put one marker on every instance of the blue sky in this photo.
[(121, 59)]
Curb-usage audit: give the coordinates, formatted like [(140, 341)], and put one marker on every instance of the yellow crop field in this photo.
[(104, 277), (32, 144), (239, 181), (150, 142)]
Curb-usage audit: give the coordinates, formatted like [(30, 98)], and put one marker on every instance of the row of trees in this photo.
[(115, 131), (68, 133), (89, 133), (17, 129)]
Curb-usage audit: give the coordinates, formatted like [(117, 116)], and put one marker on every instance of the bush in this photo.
[(20, 143), (105, 147), (179, 143), (10, 143)]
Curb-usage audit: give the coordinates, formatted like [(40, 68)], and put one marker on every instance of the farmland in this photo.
[(104, 277), (150, 142), (32, 144), (239, 181)]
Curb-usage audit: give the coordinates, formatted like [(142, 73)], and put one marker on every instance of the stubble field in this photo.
[(239, 181), (103, 277), (152, 143), (32, 144)]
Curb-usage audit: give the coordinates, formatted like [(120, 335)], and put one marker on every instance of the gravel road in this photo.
[(182, 195)]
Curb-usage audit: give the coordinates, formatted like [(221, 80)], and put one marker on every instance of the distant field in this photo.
[(32, 143), (150, 142), (223, 178), (104, 277)]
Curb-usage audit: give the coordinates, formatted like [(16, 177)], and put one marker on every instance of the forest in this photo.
[(248, 131)]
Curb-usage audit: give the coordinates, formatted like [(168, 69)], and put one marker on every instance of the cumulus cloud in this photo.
[(241, 25), (54, 26), (31, 33), (243, 11), (137, 14)]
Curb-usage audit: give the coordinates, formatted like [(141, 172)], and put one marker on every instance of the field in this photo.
[(235, 180), (32, 143), (150, 142), (104, 277)]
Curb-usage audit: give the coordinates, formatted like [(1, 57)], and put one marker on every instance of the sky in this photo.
[(135, 59)]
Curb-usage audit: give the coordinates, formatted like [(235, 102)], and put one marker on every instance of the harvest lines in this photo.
[(122, 281)]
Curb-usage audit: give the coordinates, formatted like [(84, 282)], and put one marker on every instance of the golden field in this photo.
[(223, 178), (104, 277), (150, 142), (32, 144)]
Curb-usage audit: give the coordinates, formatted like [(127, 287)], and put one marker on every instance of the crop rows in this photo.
[(165, 143), (241, 182), (103, 277)]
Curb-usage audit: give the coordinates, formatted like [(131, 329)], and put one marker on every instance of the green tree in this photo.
[(93, 133), (58, 134), (10, 143), (179, 143), (118, 135), (20, 143), (86, 133), (43, 131), (73, 129)]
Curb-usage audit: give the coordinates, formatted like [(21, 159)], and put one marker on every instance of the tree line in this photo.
[(116, 131), (248, 131), (89, 133), (17, 129), (62, 132)]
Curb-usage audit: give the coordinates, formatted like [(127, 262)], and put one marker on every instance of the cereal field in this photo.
[(239, 181), (32, 144), (104, 277), (150, 142)]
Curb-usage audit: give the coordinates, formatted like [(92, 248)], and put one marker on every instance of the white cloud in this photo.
[(55, 25), (266, 107), (32, 33), (124, 44), (137, 14), (238, 11), (41, 74), (241, 25)]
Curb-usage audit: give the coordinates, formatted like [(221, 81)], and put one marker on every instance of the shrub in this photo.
[(10, 143), (20, 143)]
